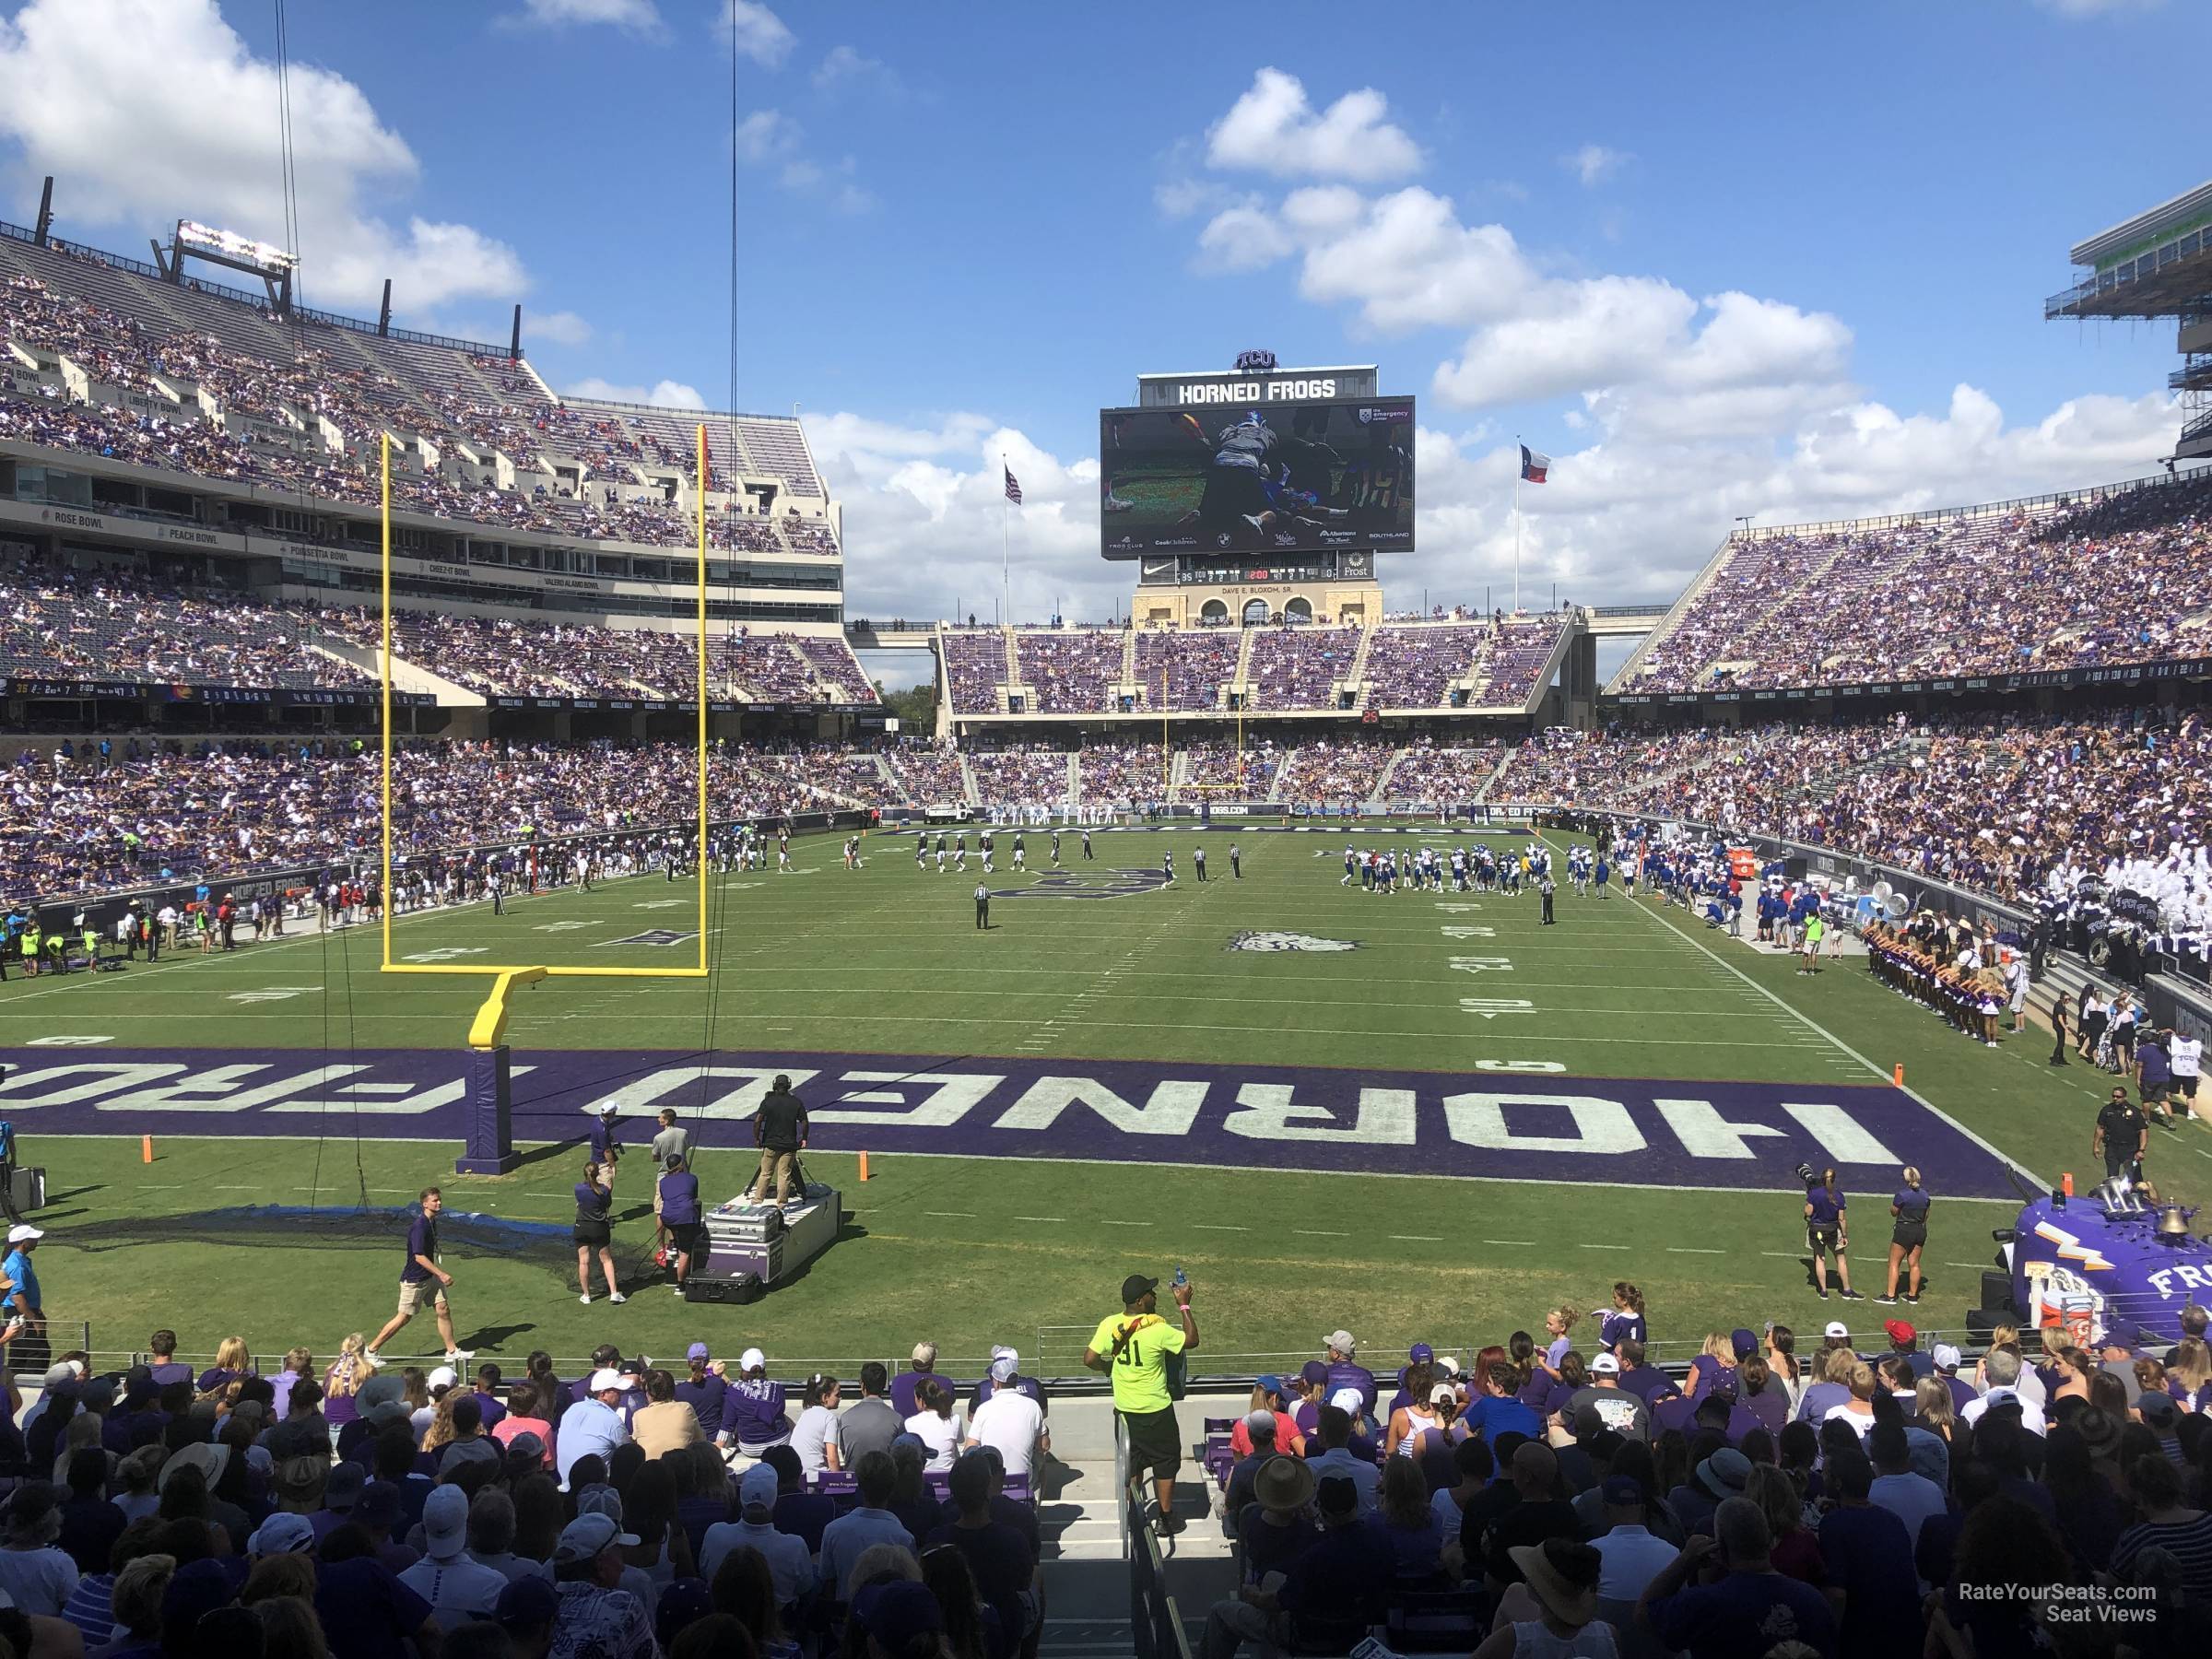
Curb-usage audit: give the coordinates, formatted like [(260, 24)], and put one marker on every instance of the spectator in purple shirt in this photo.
[(1346, 1372), (231, 1365), (753, 1412), (905, 1400), (704, 1389), (165, 1367), (1648, 1382)]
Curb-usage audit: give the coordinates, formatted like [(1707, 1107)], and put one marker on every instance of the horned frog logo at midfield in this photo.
[(1087, 883), (1287, 941)]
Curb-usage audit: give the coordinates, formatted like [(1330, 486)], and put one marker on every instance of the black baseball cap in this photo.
[(1136, 1287)]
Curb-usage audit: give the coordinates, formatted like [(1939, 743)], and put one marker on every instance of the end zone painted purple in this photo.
[(1487, 1124)]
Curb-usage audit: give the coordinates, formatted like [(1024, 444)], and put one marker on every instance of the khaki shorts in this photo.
[(411, 1293), (656, 1201)]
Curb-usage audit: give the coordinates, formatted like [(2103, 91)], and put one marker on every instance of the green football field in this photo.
[(1461, 992)]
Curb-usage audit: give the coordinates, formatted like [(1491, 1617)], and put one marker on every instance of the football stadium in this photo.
[(1306, 1113)]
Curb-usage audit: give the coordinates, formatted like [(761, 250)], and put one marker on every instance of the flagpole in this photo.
[(1518, 470), (1006, 519)]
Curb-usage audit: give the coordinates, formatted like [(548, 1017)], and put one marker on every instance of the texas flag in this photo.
[(1532, 466)]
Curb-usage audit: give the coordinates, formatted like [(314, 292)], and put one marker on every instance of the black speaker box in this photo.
[(743, 1288)]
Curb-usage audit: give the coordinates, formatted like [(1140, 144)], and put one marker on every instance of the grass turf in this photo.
[(973, 1251)]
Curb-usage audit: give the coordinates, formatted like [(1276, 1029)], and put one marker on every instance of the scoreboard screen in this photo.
[(1273, 477)]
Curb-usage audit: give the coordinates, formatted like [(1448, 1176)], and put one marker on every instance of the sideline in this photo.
[(1810, 1024)]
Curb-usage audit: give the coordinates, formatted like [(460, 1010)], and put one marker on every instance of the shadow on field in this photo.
[(298, 1228)]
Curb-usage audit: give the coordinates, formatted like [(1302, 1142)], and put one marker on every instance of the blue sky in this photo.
[(964, 228)]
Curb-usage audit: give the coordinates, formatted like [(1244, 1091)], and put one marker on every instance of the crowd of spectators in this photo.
[(84, 822), (1856, 1495), (1413, 667), (1073, 672), (1335, 774), (633, 1510), (300, 417), (119, 625), (115, 626), (1246, 772), (1120, 774), (2023, 809), (1026, 777), (1521, 653), (1435, 774), (1193, 666), (927, 776), (975, 668), (1300, 667), (2115, 578)]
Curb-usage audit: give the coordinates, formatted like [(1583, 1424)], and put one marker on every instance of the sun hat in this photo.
[(1283, 1483), (1563, 1574), (1725, 1473), (209, 1459)]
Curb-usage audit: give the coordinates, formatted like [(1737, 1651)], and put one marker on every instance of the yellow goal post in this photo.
[(506, 975)]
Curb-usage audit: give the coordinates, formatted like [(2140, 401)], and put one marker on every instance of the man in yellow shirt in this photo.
[(1132, 1348)]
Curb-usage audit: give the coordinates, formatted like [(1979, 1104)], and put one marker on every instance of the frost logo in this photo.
[(1288, 941)]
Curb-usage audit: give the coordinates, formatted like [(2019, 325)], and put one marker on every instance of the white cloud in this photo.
[(1408, 262), (1632, 514), (773, 141), (924, 505), (1241, 239), (1274, 129), (846, 65), (756, 33), (562, 328), (662, 394), (146, 110), (640, 16), (1594, 164)]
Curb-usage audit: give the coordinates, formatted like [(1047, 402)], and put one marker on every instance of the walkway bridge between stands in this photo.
[(1622, 621), (865, 635)]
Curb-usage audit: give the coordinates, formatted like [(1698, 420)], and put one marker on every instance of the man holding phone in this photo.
[(1132, 1348)]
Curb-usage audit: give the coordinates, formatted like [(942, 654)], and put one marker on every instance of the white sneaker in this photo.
[(585, 1299), (617, 1297), (680, 1291), (459, 1356)]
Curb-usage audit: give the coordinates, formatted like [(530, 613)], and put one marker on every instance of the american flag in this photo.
[(1013, 485)]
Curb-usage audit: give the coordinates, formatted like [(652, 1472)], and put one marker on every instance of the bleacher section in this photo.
[(120, 628), (1446, 665), (104, 358), (2097, 578)]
